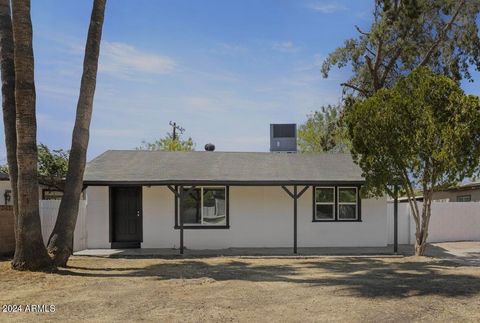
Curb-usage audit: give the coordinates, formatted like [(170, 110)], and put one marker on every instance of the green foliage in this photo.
[(168, 143), (406, 34), (52, 163), (423, 133), (4, 169), (323, 132)]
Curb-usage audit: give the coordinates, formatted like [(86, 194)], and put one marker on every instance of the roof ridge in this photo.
[(228, 152)]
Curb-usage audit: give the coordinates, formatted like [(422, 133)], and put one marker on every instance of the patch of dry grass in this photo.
[(248, 289)]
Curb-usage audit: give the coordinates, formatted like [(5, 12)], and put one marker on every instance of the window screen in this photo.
[(324, 203), (347, 203)]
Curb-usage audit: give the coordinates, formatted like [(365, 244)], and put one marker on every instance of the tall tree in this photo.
[(424, 132), (323, 132), (60, 245), (7, 67), (405, 34), (30, 252)]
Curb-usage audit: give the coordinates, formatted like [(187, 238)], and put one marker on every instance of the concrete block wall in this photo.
[(7, 235)]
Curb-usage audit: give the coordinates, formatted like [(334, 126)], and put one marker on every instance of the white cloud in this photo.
[(126, 61), (285, 46), (327, 7)]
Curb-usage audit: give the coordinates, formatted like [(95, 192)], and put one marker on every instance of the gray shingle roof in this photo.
[(159, 167)]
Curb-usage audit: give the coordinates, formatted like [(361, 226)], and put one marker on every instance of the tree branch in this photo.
[(356, 88), (442, 35), (370, 51), (361, 32), (373, 71), (412, 199), (389, 66), (378, 56)]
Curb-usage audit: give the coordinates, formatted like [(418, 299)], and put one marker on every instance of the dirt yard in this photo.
[(248, 290)]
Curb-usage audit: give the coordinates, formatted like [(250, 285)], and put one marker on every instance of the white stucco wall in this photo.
[(97, 217), (259, 217)]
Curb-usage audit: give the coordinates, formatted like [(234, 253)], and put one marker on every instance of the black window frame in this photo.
[(200, 226), (463, 196), (336, 219), (315, 203), (45, 190)]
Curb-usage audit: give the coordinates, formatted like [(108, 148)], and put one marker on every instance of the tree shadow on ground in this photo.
[(373, 278), (351, 276)]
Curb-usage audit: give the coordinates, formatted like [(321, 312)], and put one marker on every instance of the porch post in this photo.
[(295, 196), (181, 219), (295, 219), (395, 219)]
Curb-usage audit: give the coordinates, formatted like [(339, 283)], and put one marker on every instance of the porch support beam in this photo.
[(395, 219), (288, 192), (180, 195), (295, 219), (302, 191), (295, 196), (174, 190)]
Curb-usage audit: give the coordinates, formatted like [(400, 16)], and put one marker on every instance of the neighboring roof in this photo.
[(460, 187), (466, 186), (4, 177), (160, 167)]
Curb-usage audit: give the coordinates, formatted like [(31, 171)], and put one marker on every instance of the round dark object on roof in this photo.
[(209, 147)]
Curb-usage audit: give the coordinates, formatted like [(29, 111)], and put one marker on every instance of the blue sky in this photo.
[(224, 70)]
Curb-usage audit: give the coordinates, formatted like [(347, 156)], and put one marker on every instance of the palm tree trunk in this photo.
[(7, 67), (30, 252), (60, 244)]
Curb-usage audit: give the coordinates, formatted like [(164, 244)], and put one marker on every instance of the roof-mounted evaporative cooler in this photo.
[(283, 138)]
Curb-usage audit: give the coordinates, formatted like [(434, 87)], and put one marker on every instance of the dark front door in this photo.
[(126, 217)]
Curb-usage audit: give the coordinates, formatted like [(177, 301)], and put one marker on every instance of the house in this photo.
[(218, 200), (469, 192)]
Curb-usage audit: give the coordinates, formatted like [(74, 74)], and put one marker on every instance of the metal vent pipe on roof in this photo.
[(209, 147)]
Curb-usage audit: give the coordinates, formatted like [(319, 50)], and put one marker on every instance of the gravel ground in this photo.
[(247, 289)]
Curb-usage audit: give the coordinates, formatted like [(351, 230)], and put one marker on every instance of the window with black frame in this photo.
[(324, 203), (347, 203), (464, 198), (190, 206), (336, 203), (204, 206)]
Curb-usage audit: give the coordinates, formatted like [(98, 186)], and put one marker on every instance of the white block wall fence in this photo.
[(48, 216), (450, 221)]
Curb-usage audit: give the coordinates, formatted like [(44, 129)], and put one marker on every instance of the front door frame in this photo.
[(111, 236)]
